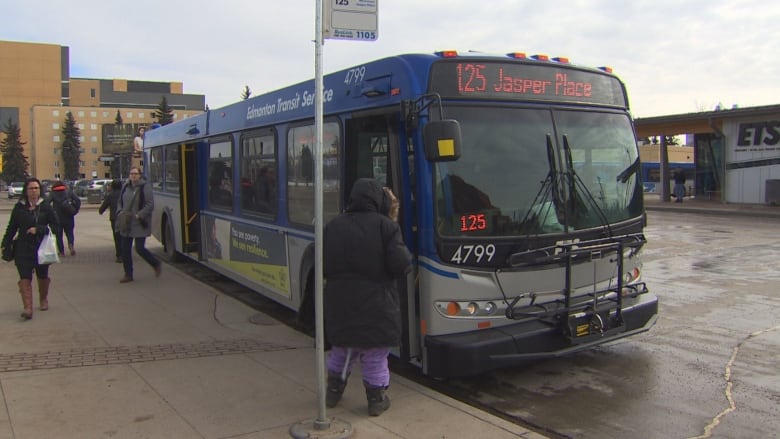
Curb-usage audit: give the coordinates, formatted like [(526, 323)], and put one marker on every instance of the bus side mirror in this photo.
[(442, 140)]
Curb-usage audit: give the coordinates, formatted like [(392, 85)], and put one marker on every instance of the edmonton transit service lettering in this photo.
[(478, 78), (289, 104)]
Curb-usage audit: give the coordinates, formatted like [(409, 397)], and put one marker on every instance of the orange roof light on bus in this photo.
[(607, 69), (447, 53), (540, 57), (561, 59), (517, 55)]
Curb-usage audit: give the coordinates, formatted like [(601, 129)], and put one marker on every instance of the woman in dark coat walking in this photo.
[(31, 218), (364, 255)]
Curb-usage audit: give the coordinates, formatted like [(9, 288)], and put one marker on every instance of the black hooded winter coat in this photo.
[(363, 256)]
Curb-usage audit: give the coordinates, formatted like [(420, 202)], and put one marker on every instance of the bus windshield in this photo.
[(515, 177)]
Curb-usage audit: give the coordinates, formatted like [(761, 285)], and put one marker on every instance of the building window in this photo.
[(55, 126), (56, 151), (56, 163), (94, 150), (81, 139), (129, 114), (92, 92), (81, 114), (81, 126), (105, 114), (55, 138), (55, 112), (93, 126), (93, 138), (141, 115), (93, 113)]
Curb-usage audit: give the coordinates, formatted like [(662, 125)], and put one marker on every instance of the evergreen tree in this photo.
[(15, 163), (163, 113), (71, 148), (118, 121), (246, 93)]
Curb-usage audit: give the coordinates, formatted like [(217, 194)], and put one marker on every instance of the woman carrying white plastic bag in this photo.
[(31, 220), (47, 251)]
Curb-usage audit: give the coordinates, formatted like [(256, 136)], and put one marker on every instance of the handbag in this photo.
[(10, 251), (47, 251), (123, 219)]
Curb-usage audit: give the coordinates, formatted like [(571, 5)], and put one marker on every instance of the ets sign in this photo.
[(350, 19)]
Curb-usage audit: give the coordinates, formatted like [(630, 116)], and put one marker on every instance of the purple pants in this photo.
[(373, 363)]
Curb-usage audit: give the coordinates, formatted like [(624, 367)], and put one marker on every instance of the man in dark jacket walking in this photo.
[(66, 204), (364, 255), (110, 203)]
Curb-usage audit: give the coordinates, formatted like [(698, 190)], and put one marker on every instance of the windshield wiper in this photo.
[(576, 182), (549, 190), (626, 173)]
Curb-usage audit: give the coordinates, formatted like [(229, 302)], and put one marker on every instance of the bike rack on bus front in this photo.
[(590, 315)]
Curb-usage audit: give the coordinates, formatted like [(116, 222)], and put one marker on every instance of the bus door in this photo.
[(372, 151), (189, 199)]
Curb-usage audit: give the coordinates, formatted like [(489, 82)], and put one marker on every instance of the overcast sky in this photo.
[(675, 56)]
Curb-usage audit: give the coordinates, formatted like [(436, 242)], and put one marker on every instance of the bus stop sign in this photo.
[(350, 19)]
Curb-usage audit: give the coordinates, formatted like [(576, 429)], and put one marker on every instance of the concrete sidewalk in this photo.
[(710, 207), (174, 358)]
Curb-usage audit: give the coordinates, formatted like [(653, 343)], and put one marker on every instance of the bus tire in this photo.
[(169, 244)]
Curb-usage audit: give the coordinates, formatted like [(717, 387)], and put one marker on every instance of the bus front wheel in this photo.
[(169, 243)]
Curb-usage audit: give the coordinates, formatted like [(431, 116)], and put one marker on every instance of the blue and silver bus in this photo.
[(519, 185)]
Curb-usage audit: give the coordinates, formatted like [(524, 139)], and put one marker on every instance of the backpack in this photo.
[(70, 205)]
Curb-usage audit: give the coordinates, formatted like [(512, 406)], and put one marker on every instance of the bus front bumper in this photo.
[(471, 353)]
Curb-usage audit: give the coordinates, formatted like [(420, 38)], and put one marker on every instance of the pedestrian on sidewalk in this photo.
[(134, 213), (679, 184), (364, 256), (31, 219), (66, 205), (110, 203)]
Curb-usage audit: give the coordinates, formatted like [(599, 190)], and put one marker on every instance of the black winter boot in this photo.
[(378, 401), (336, 388)]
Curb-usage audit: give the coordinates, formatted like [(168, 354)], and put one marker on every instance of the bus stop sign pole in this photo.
[(356, 22)]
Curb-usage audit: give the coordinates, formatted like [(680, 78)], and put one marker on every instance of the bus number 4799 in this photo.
[(477, 252)]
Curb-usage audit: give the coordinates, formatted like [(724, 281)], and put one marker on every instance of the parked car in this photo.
[(46, 187), (97, 190), (80, 187), (15, 189), (101, 183)]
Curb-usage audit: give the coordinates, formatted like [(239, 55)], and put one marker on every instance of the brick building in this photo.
[(37, 92)]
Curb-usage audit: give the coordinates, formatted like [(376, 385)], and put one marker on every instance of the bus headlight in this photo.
[(630, 278), (468, 309)]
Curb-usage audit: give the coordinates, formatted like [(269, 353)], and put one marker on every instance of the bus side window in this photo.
[(258, 166), (221, 173)]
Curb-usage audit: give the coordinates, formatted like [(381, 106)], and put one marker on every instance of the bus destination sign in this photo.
[(525, 82)]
